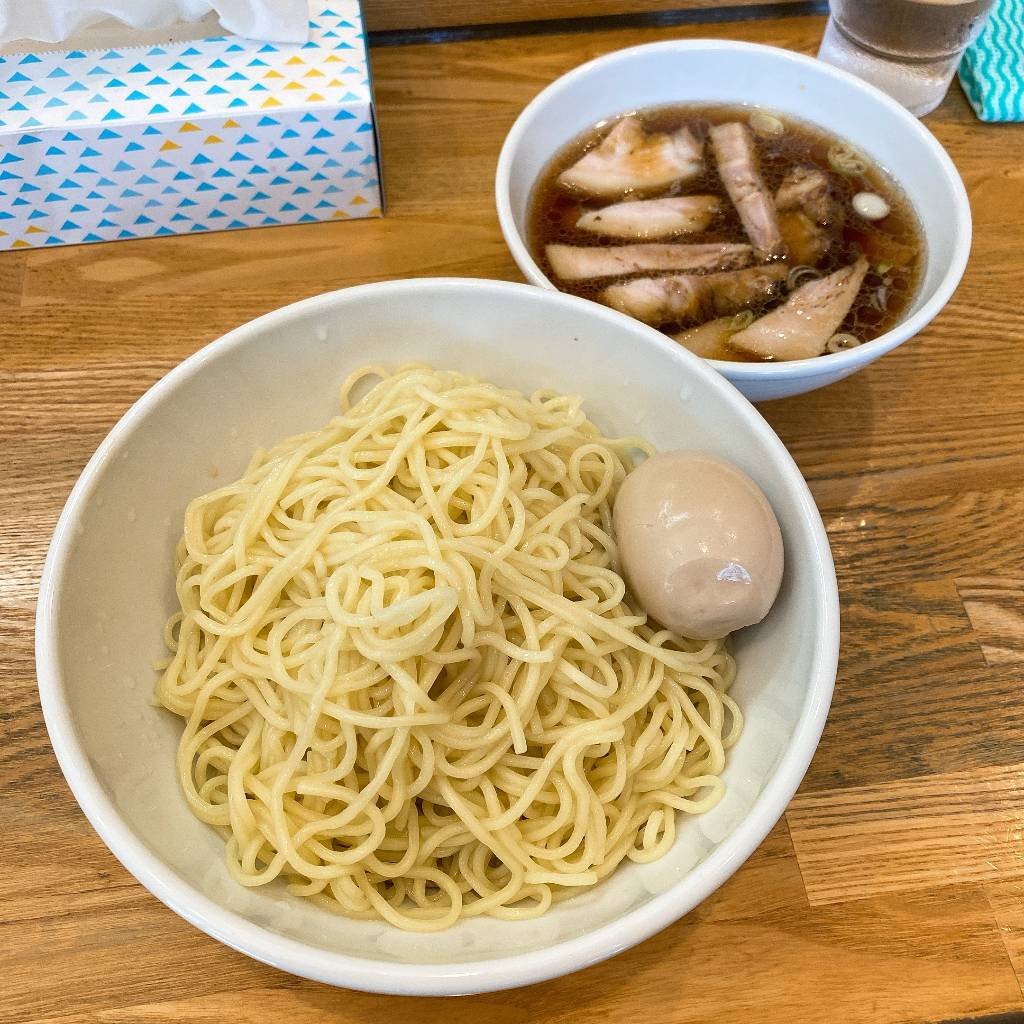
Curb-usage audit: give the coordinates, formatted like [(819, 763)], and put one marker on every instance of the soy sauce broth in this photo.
[(893, 245)]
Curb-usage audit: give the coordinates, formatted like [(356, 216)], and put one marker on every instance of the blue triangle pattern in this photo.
[(133, 104)]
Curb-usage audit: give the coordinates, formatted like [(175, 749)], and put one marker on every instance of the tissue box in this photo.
[(208, 135)]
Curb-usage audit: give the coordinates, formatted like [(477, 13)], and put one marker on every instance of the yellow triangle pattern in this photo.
[(309, 80)]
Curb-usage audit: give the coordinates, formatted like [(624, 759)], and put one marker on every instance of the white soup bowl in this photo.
[(711, 71)]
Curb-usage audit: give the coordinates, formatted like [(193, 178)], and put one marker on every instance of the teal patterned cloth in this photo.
[(992, 72)]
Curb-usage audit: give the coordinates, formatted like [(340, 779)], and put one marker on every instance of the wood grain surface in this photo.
[(392, 15), (893, 889)]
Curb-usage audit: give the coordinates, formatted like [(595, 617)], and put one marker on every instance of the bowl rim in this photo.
[(833, 364), (382, 976)]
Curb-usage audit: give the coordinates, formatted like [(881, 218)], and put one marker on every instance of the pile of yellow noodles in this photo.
[(411, 681)]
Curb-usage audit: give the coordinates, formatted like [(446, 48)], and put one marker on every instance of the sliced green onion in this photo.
[(870, 206), (842, 157), (841, 342), (741, 321), (800, 275), (766, 124)]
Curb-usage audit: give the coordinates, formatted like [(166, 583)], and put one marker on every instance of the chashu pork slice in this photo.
[(628, 159), (694, 298), (647, 219), (801, 327), (579, 262)]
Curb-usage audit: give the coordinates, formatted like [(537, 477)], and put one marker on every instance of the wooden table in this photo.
[(893, 889)]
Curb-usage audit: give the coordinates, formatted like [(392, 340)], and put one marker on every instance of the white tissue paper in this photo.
[(54, 21)]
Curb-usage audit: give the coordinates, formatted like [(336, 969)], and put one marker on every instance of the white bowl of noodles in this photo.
[(108, 588)]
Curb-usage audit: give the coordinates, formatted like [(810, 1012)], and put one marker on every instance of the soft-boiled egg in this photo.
[(699, 544)]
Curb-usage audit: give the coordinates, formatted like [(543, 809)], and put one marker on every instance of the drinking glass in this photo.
[(908, 48)]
